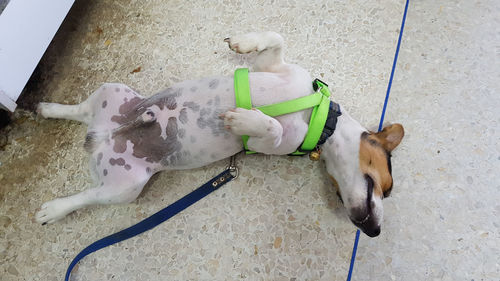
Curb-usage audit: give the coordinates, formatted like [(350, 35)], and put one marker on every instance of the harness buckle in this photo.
[(318, 85)]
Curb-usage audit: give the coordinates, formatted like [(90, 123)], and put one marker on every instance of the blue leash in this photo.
[(356, 240), (160, 216)]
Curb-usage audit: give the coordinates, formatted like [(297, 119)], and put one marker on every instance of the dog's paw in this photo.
[(52, 211), (41, 108), (242, 121), (45, 109), (243, 44)]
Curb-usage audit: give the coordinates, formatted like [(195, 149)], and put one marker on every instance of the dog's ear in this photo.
[(390, 136)]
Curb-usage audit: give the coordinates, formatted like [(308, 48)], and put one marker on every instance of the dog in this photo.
[(194, 123)]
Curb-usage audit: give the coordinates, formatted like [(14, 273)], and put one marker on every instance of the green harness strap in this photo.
[(320, 101)]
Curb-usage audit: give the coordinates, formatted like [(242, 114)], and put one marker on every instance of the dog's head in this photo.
[(359, 162)]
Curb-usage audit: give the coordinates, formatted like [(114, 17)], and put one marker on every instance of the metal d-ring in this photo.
[(233, 169)]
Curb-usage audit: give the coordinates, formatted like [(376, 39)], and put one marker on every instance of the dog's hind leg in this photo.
[(120, 189), (270, 46), (99, 100), (78, 112)]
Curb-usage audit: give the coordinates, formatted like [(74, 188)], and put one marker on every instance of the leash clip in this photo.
[(233, 169)]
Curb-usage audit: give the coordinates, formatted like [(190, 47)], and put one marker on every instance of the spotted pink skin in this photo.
[(125, 147)]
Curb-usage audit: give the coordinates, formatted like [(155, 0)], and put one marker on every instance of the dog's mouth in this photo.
[(369, 225)]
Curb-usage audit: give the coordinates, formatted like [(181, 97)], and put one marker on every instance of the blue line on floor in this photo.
[(355, 248)]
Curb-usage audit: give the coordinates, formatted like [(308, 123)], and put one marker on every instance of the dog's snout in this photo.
[(365, 221), (359, 214)]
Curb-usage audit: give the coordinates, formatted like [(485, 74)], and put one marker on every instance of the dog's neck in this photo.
[(347, 130), (341, 151)]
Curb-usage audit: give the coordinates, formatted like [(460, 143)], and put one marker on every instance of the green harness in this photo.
[(319, 101)]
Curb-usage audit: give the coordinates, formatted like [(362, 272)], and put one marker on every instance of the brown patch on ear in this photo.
[(373, 162), (390, 136)]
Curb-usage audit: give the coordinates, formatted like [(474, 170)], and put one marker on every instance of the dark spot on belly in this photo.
[(120, 161), (213, 84), (128, 167), (127, 90), (172, 129), (209, 102), (104, 103), (177, 158), (210, 119), (183, 117), (117, 90), (262, 89), (149, 171), (120, 145), (192, 105), (193, 89), (126, 107), (146, 137), (166, 98), (181, 133), (99, 158), (105, 172), (170, 103)]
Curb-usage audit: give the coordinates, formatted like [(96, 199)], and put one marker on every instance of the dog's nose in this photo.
[(372, 232), (369, 227), (365, 221)]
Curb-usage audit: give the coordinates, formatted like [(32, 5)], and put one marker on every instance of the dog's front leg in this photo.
[(265, 132)]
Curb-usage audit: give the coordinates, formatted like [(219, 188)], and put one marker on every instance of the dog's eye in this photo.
[(369, 182), (369, 189)]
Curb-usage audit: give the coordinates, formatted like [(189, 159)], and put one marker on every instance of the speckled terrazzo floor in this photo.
[(280, 220)]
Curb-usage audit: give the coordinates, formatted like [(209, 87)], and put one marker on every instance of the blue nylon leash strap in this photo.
[(158, 217), (356, 240)]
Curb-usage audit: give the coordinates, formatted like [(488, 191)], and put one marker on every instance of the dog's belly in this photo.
[(185, 130)]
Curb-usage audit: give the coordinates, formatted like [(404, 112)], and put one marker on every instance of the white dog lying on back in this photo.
[(194, 123)]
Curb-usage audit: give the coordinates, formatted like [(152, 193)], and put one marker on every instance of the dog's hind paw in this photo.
[(42, 108), (243, 44), (52, 211)]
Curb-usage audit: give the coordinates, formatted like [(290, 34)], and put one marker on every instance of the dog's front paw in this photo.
[(242, 121), (52, 211), (243, 44)]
